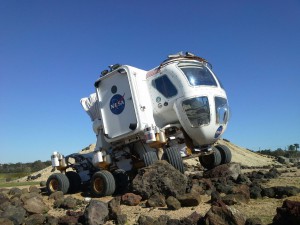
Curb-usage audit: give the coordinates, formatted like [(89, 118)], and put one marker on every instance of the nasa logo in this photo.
[(117, 104), (219, 131)]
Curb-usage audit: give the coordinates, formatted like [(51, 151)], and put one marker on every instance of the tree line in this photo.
[(24, 167), (290, 152)]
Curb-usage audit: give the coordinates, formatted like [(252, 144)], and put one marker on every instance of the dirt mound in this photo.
[(248, 158)]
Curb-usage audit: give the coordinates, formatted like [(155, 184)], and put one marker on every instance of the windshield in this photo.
[(199, 75), (197, 111)]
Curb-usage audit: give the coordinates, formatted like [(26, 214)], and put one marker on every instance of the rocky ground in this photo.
[(253, 189)]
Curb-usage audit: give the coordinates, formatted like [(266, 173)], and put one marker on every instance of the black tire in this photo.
[(150, 158), (103, 184), (172, 155), (122, 181), (225, 154), (75, 181), (57, 182), (212, 160)]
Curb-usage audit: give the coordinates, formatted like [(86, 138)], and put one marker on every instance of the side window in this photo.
[(165, 86)]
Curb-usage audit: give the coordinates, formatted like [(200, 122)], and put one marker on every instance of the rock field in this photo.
[(252, 189)]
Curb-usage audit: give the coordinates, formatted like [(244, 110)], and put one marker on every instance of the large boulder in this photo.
[(220, 215), (14, 213), (225, 170), (115, 212), (289, 213), (160, 177), (35, 205), (96, 213)]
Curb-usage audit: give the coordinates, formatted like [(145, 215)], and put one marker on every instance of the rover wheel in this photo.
[(57, 182), (103, 184), (212, 160), (75, 181), (172, 155), (150, 158), (225, 154), (122, 181)]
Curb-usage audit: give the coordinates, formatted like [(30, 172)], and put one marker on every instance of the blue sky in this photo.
[(51, 52)]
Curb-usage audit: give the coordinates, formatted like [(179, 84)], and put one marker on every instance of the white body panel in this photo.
[(124, 103)]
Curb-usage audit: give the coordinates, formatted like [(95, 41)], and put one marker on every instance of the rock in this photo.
[(34, 189), (160, 177), (269, 192), (206, 184), (131, 199), (189, 199), (57, 203), (35, 219), (191, 219), (146, 220), (283, 160), (273, 173), (232, 199), (173, 203), (14, 213), (255, 192), (121, 219), (69, 220), (224, 215), (69, 203), (43, 184), (114, 208), (3, 198), (96, 213), (4, 205), (26, 196), (51, 220), (281, 192), (225, 170), (197, 189), (25, 191), (253, 221), (174, 222), (35, 205), (215, 198), (223, 188), (163, 219), (289, 213), (72, 218), (243, 179), (6, 221), (156, 200), (75, 213), (243, 190), (56, 195), (16, 201), (17, 192)]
